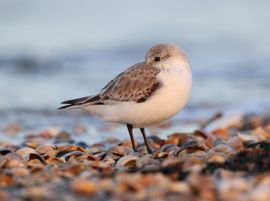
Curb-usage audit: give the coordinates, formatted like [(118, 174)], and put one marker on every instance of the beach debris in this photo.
[(232, 163)]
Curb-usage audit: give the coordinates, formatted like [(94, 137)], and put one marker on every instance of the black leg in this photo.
[(130, 131), (145, 141)]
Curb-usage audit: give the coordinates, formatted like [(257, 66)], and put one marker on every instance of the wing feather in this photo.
[(136, 84)]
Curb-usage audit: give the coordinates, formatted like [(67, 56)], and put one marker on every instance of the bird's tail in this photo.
[(79, 102), (74, 103)]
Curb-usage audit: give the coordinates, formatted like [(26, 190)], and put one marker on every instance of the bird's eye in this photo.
[(157, 59)]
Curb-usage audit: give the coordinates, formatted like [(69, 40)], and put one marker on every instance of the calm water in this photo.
[(51, 51)]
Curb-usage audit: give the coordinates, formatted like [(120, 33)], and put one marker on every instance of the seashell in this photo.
[(35, 164), (179, 187), (223, 148), (101, 155), (193, 163), (55, 161), (32, 145), (97, 148), (127, 143), (81, 144), (248, 137), (67, 149), (178, 139), (5, 151), (156, 140), (236, 143), (72, 154), (206, 137), (261, 133), (33, 141), (127, 161), (147, 162), (25, 152), (222, 133), (170, 148), (228, 120), (109, 161), (172, 162), (121, 150), (84, 187), (12, 160), (161, 155), (216, 158), (192, 146), (33, 156), (63, 137), (49, 133), (44, 149)]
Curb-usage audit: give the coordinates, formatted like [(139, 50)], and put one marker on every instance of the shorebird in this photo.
[(144, 94)]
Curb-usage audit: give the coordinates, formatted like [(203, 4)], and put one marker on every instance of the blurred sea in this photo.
[(51, 51)]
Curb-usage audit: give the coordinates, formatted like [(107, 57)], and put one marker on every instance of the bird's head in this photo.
[(165, 56)]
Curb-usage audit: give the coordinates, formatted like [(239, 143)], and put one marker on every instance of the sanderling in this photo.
[(145, 94)]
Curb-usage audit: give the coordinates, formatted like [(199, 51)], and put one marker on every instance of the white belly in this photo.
[(168, 101)]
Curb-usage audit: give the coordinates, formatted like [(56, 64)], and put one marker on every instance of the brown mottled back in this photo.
[(135, 84)]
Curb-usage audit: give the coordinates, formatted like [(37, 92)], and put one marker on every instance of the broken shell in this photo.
[(178, 139), (72, 154), (222, 133), (191, 147), (121, 150), (33, 156), (44, 149), (67, 149), (25, 152), (127, 161)]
